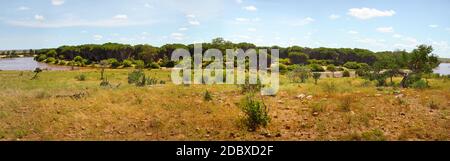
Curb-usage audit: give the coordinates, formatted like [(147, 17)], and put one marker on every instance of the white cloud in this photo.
[(368, 13), (251, 8), (23, 8), (57, 2), (77, 23), (182, 29), (352, 32), (194, 22), (121, 17), (433, 26), (334, 17), (39, 17), (98, 37), (239, 1), (385, 29), (304, 21)]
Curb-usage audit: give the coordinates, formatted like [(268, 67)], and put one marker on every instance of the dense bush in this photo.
[(420, 84), (50, 60), (114, 63), (256, 113), (127, 63), (298, 58), (81, 77), (352, 65), (153, 65), (346, 73), (316, 68)]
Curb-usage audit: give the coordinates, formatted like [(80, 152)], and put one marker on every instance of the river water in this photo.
[(28, 63)]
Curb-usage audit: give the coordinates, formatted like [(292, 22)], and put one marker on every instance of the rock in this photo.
[(399, 96), (315, 113), (278, 135), (287, 127), (149, 134), (377, 95), (301, 96), (310, 97), (280, 102)]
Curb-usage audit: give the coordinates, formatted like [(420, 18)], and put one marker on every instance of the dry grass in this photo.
[(56, 106)]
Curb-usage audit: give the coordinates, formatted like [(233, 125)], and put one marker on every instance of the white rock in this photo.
[(309, 97), (301, 96)]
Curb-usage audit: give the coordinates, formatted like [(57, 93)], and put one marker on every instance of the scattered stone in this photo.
[(301, 96), (399, 96), (287, 127), (278, 135), (310, 97), (149, 134), (377, 95), (280, 102), (315, 113), (402, 113)]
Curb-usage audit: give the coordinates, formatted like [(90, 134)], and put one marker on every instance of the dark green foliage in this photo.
[(50, 60), (135, 76), (316, 77), (346, 73), (80, 77), (256, 113), (298, 58), (36, 72), (153, 65), (316, 68), (114, 63), (299, 74), (420, 84), (352, 65), (41, 58), (207, 96), (127, 63)]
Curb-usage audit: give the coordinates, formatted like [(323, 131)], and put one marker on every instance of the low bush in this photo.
[(256, 113)]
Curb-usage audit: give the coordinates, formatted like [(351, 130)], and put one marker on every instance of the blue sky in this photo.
[(373, 24)]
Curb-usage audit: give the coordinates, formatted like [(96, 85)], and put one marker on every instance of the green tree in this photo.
[(331, 68), (316, 77), (422, 61), (298, 58)]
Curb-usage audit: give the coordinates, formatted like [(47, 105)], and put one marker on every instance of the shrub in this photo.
[(373, 135), (433, 105), (127, 63), (207, 96), (316, 77), (105, 82), (51, 53), (420, 84), (346, 73), (62, 62), (81, 77), (298, 58), (139, 64), (256, 113), (299, 74), (78, 59), (41, 57), (345, 103), (135, 76), (329, 87), (282, 68), (316, 108), (251, 88), (153, 65), (50, 60), (352, 65), (114, 63), (316, 68)]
